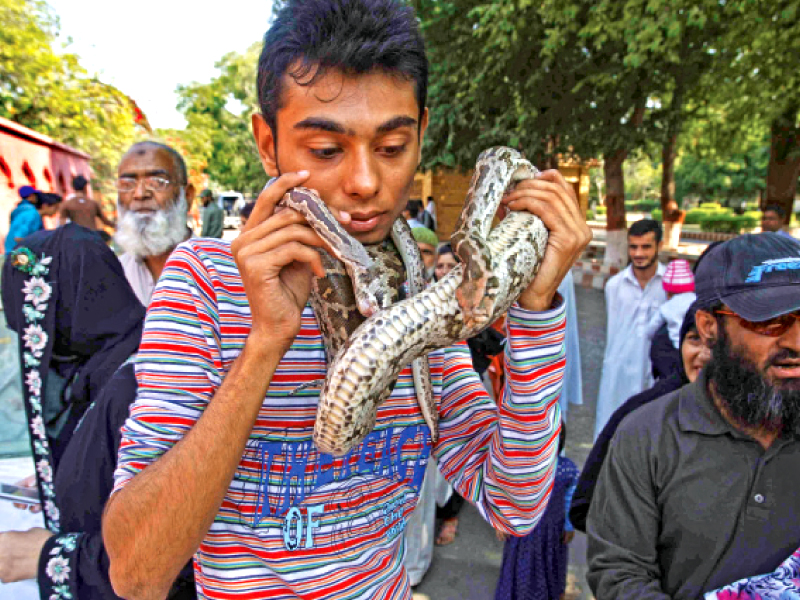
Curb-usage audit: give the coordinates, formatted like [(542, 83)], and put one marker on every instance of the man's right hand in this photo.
[(276, 257)]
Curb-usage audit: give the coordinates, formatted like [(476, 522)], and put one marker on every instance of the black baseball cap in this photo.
[(756, 275)]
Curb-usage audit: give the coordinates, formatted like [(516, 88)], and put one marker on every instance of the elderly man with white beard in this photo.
[(153, 201)]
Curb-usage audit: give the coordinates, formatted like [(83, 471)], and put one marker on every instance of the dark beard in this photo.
[(747, 394), (644, 267)]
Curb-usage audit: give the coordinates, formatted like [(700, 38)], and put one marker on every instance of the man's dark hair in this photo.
[(414, 207), (247, 209), (48, 199), (356, 37), (778, 210), (645, 226), (177, 159), (79, 183)]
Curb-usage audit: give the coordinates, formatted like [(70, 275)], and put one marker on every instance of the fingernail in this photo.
[(303, 173)]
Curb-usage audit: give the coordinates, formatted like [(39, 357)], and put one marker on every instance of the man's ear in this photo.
[(190, 192), (707, 327), (266, 144)]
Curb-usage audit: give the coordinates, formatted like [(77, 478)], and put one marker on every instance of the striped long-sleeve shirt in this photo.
[(296, 523)]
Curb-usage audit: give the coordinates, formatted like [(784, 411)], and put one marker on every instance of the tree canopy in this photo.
[(50, 92), (218, 122), (605, 78)]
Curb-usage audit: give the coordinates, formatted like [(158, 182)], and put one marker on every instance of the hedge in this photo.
[(642, 205), (729, 223), (600, 210), (590, 215), (696, 216)]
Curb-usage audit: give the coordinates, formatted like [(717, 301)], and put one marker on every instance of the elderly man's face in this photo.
[(143, 165), (152, 204)]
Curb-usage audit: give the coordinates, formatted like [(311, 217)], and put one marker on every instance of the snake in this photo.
[(358, 282), (498, 264)]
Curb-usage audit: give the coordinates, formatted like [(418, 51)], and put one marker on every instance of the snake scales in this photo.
[(367, 354)]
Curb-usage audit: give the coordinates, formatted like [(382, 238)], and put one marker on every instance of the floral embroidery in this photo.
[(35, 339), (52, 508), (37, 290), (37, 293), (37, 427), (61, 591), (45, 470), (34, 382), (32, 314), (58, 569), (22, 259)]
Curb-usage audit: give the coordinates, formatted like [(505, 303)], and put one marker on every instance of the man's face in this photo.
[(776, 358), (428, 253), (771, 221), (643, 250), (757, 376), (143, 162), (360, 139), (151, 221)]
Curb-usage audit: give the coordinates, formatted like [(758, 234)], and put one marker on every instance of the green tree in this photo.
[(755, 90), (51, 93), (218, 122)]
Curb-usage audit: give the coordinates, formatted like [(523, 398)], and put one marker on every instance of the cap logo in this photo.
[(775, 264)]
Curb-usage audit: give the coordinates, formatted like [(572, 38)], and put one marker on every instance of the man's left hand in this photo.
[(553, 200), (19, 553)]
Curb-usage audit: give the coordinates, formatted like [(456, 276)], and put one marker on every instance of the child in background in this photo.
[(535, 566), (678, 282)]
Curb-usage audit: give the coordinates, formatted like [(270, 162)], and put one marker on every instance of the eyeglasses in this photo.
[(152, 183), (774, 327)]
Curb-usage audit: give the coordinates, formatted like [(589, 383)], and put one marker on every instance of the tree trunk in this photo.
[(616, 223), (668, 203), (784, 162), (672, 216)]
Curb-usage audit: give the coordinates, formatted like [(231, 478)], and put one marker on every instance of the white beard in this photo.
[(155, 233)]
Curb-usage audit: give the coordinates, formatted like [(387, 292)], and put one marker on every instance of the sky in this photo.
[(147, 47)]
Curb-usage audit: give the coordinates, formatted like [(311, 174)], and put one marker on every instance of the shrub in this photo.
[(656, 214), (729, 223), (642, 205), (590, 215), (600, 210), (696, 215)]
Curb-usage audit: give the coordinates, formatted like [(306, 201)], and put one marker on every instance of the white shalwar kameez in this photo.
[(626, 364), (572, 388)]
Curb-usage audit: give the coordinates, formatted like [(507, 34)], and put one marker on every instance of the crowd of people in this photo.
[(165, 380)]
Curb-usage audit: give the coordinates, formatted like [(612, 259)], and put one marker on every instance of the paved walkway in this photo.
[(468, 569)]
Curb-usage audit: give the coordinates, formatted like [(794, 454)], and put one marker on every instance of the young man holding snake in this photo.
[(217, 459)]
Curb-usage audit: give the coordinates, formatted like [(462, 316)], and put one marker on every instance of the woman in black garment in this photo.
[(79, 323)]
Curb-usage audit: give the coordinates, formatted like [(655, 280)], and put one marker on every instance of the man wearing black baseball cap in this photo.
[(700, 489)]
